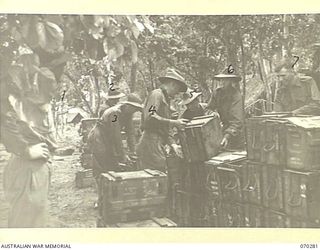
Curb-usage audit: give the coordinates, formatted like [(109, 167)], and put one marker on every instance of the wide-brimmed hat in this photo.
[(227, 76), (189, 97), (174, 75), (112, 94), (134, 100)]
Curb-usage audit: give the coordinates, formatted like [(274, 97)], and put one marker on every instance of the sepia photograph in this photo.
[(117, 121)]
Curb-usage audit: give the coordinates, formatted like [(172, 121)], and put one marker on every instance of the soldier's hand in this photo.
[(38, 151), (180, 123)]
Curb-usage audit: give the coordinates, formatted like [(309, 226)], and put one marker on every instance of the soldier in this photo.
[(227, 101), (105, 140), (194, 108), (27, 175), (156, 121), (111, 99)]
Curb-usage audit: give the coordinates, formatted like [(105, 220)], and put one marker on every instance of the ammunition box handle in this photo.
[(235, 183), (268, 148), (246, 188), (275, 194), (290, 201)]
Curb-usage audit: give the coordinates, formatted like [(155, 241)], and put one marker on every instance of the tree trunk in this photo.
[(243, 65), (263, 75), (133, 77)]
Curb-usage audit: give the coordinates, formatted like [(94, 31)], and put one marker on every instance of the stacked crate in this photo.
[(136, 198), (199, 142), (225, 197), (286, 152)]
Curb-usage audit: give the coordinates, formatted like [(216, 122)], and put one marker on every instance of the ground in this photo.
[(69, 206)]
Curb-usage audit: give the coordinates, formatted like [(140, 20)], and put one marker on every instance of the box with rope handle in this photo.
[(132, 195), (200, 140), (263, 137), (303, 143), (223, 175), (302, 194)]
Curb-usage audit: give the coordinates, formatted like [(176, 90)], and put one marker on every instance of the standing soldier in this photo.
[(27, 175), (156, 121), (227, 101)]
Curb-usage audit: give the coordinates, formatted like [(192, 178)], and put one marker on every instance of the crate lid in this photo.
[(146, 173), (227, 157), (201, 120), (310, 122)]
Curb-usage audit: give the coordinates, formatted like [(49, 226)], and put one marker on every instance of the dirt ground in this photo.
[(69, 206)]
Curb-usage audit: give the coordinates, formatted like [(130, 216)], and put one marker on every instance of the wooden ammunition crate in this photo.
[(274, 219), (133, 195), (256, 132), (253, 216), (303, 143), (201, 138), (251, 180), (225, 159), (302, 194), (229, 180), (84, 178), (272, 188)]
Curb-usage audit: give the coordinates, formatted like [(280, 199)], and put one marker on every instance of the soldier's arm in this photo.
[(11, 136), (237, 117)]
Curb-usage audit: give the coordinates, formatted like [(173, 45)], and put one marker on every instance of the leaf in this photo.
[(139, 25), (147, 24), (50, 36), (30, 63), (134, 52)]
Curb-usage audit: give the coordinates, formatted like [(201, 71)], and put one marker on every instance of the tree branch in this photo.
[(79, 92)]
